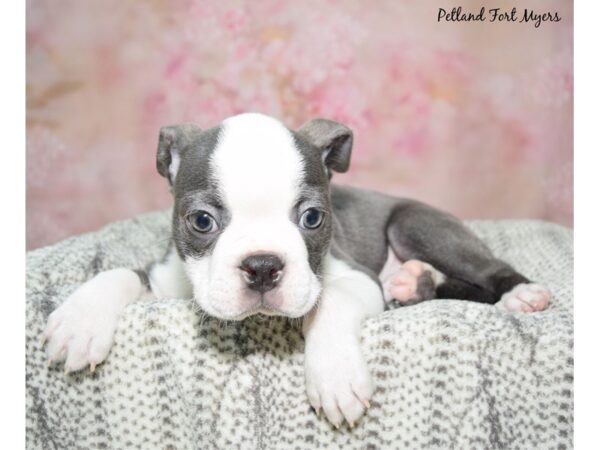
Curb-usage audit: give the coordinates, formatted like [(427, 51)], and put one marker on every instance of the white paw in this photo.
[(525, 297), (338, 381), (80, 332)]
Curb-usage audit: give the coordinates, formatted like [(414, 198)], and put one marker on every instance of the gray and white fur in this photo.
[(258, 228)]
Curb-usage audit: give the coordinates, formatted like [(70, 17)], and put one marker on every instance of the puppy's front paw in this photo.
[(525, 297), (338, 381), (80, 332)]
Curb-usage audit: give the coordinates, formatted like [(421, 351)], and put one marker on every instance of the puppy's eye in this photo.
[(311, 219), (203, 222)]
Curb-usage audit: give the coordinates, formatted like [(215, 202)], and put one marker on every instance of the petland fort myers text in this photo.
[(457, 14)]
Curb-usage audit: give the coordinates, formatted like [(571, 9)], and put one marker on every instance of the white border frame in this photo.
[(587, 211), (587, 224), (12, 236)]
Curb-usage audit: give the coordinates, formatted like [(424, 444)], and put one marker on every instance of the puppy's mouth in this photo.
[(253, 311), (258, 309), (261, 306)]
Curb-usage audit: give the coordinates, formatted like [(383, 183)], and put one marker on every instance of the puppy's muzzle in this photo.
[(262, 272)]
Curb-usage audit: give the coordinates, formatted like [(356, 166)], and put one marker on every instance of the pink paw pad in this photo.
[(403, 285)]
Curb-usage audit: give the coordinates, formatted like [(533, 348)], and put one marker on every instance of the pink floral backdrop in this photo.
[(475, 118)]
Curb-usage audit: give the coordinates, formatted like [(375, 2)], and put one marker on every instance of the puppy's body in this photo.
[(373, 230), (257, 228)]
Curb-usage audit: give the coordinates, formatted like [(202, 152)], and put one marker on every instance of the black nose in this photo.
[(262, 272)]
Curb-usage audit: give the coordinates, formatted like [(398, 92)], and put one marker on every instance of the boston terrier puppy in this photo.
[(258, 228)]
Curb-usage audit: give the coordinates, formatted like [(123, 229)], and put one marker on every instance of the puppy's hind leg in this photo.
[(415, 281), (471, 272)]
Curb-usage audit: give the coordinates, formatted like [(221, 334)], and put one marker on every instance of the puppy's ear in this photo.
[(171, 142), (333, 139)]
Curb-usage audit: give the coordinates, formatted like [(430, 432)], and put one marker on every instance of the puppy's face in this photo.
[(252, 217)]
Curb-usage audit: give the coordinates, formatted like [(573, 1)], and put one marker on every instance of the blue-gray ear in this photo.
[(333, 139), (172, 140)]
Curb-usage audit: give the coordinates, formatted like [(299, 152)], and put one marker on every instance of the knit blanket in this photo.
[(448, 374)]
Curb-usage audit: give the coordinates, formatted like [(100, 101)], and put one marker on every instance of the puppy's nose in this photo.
[(262, 272)]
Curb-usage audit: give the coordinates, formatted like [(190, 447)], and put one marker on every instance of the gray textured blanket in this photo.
[(448, 374)]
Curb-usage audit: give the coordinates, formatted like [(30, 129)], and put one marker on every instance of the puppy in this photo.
[(258, 228)]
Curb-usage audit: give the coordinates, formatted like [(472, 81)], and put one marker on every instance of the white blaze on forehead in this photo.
[(257, 165)]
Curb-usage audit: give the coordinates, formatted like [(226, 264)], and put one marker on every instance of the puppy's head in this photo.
[(252, 217)]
